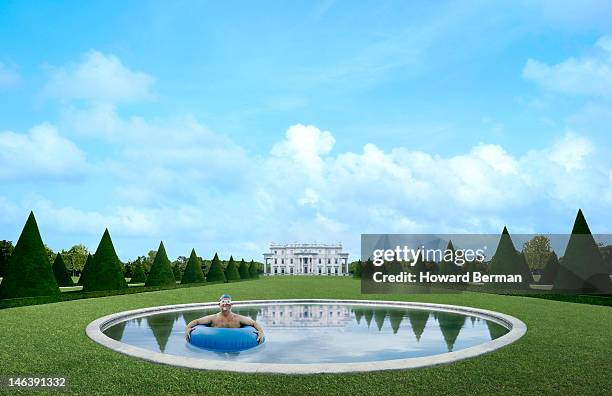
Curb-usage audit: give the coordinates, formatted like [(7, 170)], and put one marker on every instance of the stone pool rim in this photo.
[(515, 326)]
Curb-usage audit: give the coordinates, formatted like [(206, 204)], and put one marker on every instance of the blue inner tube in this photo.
[(223, 339)]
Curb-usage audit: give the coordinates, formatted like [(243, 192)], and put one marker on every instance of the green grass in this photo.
[(567, 348)]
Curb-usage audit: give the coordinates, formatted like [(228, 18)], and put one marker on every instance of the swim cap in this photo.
[(225, 299)]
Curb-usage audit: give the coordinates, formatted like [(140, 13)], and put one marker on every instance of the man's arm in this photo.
[(245, 321), (205, 320)]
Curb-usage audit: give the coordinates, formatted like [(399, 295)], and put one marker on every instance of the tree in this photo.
[(368, 270), (537, 251), (181, 262), (357, 269), (86, 269), (582, 268), (506, 261), (138, 274), (606, 254), (176, 271), (6, 249), (253, 270), (106, 271), (60, 272), (128, 269), (243, 270), (193, 270), (75, 258), (161, 272), (215, 273), (550, 270), (148, 262), (50, 253), (28, 272), (231, 272)]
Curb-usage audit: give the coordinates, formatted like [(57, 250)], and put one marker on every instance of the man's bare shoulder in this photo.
[(244, 319), (210, 317)]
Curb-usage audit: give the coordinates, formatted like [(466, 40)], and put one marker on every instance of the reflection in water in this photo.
[(495, 330), (161, 325), (418, 320), (379, 317), (368, 316), (451, 325), (395, 318), (319, 333), (116, 332), (358, 315), (291, 316)]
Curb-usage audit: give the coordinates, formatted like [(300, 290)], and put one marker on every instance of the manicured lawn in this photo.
[(567, 348)]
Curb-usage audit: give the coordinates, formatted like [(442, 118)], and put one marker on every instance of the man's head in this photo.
[(225, 302)]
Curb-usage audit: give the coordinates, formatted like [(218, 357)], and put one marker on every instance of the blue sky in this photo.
[(226, 127)]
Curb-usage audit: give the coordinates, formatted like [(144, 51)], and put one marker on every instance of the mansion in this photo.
[(306, 259)]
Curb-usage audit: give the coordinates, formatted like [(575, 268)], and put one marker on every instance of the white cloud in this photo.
[(590, 75), (40, 153), (161, 192), (99, 78), (8, 76), (304, 146), (571, 152)]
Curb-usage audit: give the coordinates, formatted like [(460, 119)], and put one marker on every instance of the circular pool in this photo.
[(316, 336)]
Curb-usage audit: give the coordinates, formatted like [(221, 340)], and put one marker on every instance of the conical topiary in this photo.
[(161, 271), (448, 264), (60, 272), (215, 273), (253, 270), (357, 269), (549, 274), (243, 270), (106, 271), (86, 269), (582, 269), (231, 272), (193, 270), (138, 275), (506, 261), (28, 272)]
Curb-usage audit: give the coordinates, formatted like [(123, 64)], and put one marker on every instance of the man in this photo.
[(225, 318)]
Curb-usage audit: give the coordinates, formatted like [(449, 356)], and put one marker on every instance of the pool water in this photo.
[(320, 333)]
